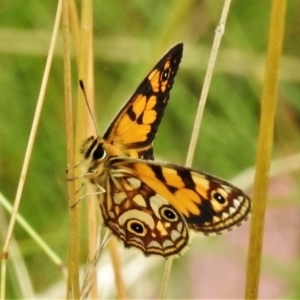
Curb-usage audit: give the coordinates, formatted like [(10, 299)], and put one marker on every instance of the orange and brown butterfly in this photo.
[(152, 205)]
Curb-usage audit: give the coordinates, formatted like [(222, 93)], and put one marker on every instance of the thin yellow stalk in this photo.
[(4, 254), (166, 278), (85, 125), (92, 217), (121, 290), (210, 67), (92, 202), (265, 143), (83, 121), (92, 238), (117, 266), (211, 63), (74, 26), (73, 290)]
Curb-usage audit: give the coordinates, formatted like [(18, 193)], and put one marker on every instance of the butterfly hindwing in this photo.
[(136, 124), (207, 203), (141, 218)]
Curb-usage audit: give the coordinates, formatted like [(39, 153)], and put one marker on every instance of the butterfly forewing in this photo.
[(136, 124)]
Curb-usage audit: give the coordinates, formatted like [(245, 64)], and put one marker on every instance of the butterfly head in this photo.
[(95, 157), (97, 153)]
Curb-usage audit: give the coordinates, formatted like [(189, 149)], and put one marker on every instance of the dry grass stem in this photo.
[(210, 68), (265, 144), (28, 152), (211, 63), (121, 290), (89, 276), (73, 290)]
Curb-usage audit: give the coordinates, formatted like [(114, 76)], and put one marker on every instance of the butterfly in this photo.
[(149, 205)]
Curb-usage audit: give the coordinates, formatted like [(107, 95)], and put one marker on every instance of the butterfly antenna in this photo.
[(88, 105)]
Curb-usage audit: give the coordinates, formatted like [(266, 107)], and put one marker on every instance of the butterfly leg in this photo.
[(102, 190)]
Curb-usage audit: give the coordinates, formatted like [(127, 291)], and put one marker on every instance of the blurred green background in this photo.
[(130, 37)]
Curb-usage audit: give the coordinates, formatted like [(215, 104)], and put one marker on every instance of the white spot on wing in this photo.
[(119, 197), (167, 243), (139, 200), (216, 219), (179, 227), (236, 203), (232, 210), (134, 182), (154, 244), (175, 235), (225, 215), (241, 198)]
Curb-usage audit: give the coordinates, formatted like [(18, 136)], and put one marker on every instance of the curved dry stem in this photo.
[(210, 67), (121, 290), (89, 276), (166, 278), (211, 63), (29, 148)]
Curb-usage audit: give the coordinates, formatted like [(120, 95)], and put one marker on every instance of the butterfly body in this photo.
[(151, 205)]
